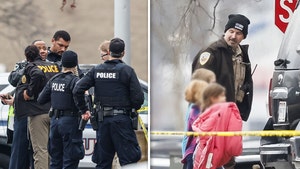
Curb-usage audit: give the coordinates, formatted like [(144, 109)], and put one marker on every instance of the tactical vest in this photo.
[(61, 92), (111, 80)]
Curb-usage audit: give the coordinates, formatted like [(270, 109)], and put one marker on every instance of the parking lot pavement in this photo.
[(139, 165)]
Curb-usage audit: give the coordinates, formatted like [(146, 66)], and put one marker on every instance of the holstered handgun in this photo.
[(134, 119), (97, 109), (93, 118), (94, 121), (51, 112)]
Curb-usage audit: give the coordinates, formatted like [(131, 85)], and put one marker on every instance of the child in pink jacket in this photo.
[(218, 115)]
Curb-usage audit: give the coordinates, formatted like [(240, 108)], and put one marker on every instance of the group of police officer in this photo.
[(114, 98), (117, 94)]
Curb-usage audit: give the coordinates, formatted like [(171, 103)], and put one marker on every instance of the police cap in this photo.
[(69, 59), (116, 46)]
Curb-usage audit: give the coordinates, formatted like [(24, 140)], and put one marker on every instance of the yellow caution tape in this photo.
[(144, 128), (144, 108), (265, 133)]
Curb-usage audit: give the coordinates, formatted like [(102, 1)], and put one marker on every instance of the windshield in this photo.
[(289, 52)]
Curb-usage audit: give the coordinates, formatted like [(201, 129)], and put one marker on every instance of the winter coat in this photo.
[(215, 151), (218, 58), (190, 145)]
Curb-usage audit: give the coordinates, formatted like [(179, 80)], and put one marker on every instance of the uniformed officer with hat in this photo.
[(117, 92), (230, 62), (65, 143)]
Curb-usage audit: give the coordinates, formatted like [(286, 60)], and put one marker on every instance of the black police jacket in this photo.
[(35, 77), (219, 60), (14, 77), (115, 85), (58, 90)]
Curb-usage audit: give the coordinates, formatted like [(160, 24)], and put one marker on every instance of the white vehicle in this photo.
[(4, 147), (89, 135)]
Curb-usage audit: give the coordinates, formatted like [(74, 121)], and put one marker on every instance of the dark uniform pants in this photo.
[(115, 134), (65, 143), (21, 152)]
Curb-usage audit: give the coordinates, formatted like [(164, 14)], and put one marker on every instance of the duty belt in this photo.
[(60, 113), (112, 112)]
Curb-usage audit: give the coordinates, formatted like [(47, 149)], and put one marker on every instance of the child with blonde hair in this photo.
[(193, 93), (204, 74)]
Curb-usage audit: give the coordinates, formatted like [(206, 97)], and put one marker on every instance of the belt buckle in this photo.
[(116, 112)]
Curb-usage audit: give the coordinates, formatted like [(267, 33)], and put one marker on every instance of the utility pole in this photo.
[(122, 26)]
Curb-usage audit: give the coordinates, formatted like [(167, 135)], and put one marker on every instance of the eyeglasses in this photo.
[(102, 55)]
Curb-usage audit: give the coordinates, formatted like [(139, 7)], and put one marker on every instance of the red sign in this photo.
[(283, 12)]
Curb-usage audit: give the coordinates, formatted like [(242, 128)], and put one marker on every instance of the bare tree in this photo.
[(19, 22), (182, 29), (176, 35)]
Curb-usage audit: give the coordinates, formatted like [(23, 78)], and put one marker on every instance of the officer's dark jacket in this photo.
[(116, 85), (53, 57), (35, 77), (58, 90), (56, 58), (220, 62), (15, 76)]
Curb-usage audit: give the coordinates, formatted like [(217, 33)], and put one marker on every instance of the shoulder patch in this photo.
[(204, 57), (23, 79)]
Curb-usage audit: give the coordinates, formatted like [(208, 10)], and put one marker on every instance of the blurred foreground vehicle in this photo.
[(284, 102)]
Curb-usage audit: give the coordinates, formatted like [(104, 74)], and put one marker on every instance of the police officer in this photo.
[(230, 62), (60, 43), (65, 143), (117, 91)]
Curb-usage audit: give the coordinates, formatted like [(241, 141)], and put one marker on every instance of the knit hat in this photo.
[(69, 59), (116, 46), (239, 22)]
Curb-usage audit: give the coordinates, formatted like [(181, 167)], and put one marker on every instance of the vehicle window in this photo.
[(144, 108), (2, 86)]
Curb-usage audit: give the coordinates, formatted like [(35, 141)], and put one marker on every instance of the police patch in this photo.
[(204, 57), (107, 75), (23, 79)]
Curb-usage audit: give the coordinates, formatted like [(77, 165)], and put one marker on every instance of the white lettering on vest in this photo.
[(58, 87), (106, 75)]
